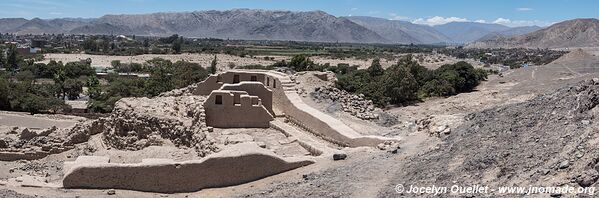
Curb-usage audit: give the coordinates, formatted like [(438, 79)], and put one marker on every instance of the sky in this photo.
[(428, 12)]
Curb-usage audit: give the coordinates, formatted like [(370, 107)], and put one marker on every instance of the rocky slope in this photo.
[(401, 31), (9, 24), (517, 31), (550, 140), (572, 33)]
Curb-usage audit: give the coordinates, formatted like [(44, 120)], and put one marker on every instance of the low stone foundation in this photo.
[(238, 164)]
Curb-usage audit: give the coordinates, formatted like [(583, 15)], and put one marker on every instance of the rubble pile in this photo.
[(185, 91), (356, 105), (137, 123), (31, 144)]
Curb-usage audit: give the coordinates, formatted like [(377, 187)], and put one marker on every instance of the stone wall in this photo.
[(237, 109), (238, 164), (253, 89)]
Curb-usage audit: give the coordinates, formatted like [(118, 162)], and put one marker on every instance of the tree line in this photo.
[(403, 83)]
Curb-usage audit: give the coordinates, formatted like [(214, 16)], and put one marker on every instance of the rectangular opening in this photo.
[(235, 78), (237, 99), (267, 81), (218, 100), (254, 78), (274, 83)]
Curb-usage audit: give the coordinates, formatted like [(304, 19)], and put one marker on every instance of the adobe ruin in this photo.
[(275, 92)]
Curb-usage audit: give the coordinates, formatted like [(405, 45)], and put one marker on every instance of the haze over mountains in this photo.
[(314, 26)]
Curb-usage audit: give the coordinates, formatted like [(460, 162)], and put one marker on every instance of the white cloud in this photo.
[(524, 9), (480, 21), (354, 9), (502, 21), (394, 16), (518, 23), (438, 20)]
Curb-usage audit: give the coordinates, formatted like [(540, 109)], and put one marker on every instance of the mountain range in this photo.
[(571, 33), (313, 26)]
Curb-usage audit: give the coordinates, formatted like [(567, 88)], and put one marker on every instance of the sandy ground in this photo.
[(429, 60), (39, 121), (351, 61), (223, 60)]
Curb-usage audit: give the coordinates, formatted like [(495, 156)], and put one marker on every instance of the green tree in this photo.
[(186, 73), (73, 88), (213, 65), (76, 69), (115, 64), (177, 45), (59, 80), (146, 43), (300, 62), (461, 75), (2, 58), (399, 84), (376, 69), (161, 80), (4, 92), (12, 59), (93, 87), (90, 45)]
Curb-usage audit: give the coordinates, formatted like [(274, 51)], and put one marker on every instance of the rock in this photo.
[(339, 156), (14, 130), (3, 143), (545, 171), (587, 178), (555, 195), (261, 144), (447, 131), (564, 164), (586, 122), (595, 81), (27, 135), (442, 129), (210, 129), (48, 131), (111, 192)]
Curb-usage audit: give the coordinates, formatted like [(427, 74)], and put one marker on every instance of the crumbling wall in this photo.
[(216, 81), (236, 109), (31, 144), (253, 89), (285, 100), (239, 164), (137, 123)]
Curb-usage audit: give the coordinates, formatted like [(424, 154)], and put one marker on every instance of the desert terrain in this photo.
[(103, 61), (555, 102)]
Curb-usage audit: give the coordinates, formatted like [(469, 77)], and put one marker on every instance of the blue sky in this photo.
[(430, 12)]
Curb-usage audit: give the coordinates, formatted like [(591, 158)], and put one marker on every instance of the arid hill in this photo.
[(572, 33), (398, 31), (248, 24)]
